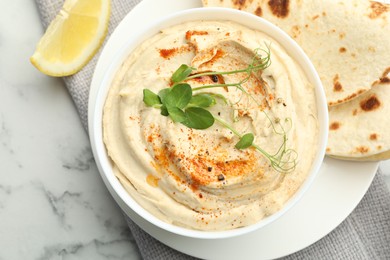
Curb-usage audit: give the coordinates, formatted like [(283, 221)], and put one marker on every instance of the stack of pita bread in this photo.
[(349, 44)]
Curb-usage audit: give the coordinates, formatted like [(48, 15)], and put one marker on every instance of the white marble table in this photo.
[(53, 204)]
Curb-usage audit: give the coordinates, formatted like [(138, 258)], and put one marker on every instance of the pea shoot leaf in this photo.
[(181, 73), (163, 93), (164, 111), (219, 96), (178, 96), (198, 118), (245, 141), (150, 98), (202, 100), (176, 114)]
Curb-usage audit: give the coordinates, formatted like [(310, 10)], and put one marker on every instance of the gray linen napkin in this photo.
[(365, 234)]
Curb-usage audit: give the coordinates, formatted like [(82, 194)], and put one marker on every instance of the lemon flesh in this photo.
[(72, 38)]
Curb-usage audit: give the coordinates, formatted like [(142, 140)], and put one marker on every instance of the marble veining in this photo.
[(94, 249), (6, 141), (80, 162), (53, 203)]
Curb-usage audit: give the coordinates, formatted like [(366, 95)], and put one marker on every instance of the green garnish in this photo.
[(151, 99), (181, 73), (245, 141), (183, 106), (202, 100), (198, 118)]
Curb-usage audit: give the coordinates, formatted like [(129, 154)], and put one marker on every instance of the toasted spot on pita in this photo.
[(362, 149), (385, 76), (377, 9), (384, 80), (315, 17), (239, 3), (337, 87), (354, 112), (259, 11), (350, 97), (279, 8), (370, 104), (295, 31), (379, 147), (342, 49), (334, 126), (342, 35), (373, 137)]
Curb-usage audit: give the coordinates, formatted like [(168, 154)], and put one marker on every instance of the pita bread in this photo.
[(358, 129), (347, 41)]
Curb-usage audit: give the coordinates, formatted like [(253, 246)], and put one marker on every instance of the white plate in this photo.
[(337, 190)]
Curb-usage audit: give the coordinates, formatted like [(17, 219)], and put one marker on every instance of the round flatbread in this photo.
[(347, 41), (358, 129)]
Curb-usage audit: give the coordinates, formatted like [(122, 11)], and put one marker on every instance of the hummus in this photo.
[(197, 178)]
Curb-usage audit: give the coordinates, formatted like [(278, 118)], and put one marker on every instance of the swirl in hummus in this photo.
[(197, 178)]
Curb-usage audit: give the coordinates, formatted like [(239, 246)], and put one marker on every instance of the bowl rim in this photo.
[(121, 196)]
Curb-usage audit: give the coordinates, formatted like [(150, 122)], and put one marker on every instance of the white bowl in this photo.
[(131, 208)]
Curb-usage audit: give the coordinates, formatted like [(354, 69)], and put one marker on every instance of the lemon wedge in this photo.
[(72, 38)]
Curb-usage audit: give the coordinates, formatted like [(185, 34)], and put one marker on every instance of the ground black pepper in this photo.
[(214, 78)]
